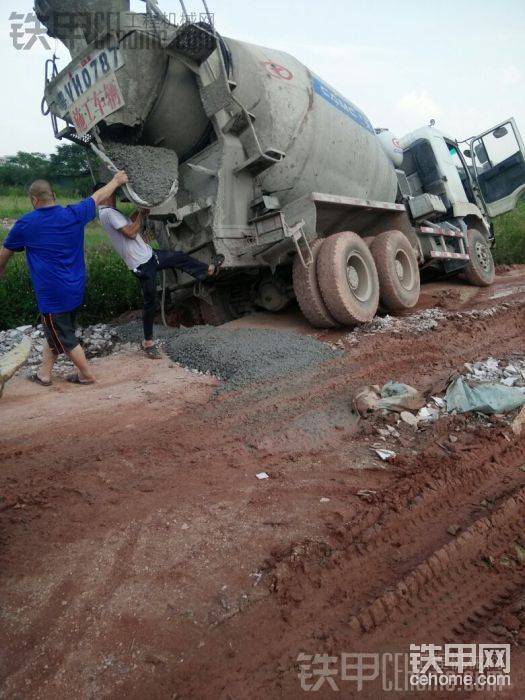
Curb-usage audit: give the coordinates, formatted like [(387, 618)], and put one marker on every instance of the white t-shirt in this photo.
[(134, 251)]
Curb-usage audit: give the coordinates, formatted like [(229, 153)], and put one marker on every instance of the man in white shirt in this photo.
[(144, 262)]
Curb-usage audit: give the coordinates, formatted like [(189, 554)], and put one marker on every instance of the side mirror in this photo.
[(467, 153), (500, 132)]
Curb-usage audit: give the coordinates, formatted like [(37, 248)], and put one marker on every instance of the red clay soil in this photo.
[(140, 557)]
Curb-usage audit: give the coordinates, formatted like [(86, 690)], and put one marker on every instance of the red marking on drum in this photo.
[(278, 71)]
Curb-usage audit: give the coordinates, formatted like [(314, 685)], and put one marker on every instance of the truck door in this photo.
[(498, 166)]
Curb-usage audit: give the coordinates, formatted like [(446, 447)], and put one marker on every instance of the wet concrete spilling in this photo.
[(151, 170)]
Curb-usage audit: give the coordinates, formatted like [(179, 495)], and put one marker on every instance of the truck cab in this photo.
[(470, 181)]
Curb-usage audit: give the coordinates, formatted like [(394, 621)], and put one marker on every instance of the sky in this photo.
[(460, 62)]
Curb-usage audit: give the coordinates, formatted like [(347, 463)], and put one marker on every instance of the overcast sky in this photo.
[(460, 62)]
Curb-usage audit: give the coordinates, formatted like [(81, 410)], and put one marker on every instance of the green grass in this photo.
[(510, 236), (111, 288)]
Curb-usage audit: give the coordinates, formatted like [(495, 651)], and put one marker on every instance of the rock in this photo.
[(13, 360), (24, 329), (366, 400), (519, 422), (409, 418)]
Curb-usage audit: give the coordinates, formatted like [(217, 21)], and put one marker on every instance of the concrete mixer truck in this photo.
[(241, 150)]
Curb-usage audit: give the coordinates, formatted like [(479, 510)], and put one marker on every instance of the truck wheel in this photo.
[(307, 291), (347, 276), (398, 271), (480, 270), (219, 311)]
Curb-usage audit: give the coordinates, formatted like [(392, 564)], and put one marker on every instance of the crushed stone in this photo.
[(243, 356), (151, 170), (420, 322)]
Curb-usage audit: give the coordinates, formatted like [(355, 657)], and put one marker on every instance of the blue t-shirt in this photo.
[(53, 239)]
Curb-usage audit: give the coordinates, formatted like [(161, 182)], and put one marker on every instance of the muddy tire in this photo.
[(397, 269), (348, 280), (218, 312), (480, 271), (308, 294)]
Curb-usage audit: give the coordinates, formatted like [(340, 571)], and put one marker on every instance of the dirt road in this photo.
[(142, 558)]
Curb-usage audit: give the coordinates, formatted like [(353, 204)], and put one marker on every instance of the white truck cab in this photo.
[(480, 177)]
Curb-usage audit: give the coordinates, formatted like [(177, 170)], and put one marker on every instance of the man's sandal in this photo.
[(75, 379), (38, 380), (152, 352)]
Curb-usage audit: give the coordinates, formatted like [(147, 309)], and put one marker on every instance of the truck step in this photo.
[(446, 255), (429, 231)]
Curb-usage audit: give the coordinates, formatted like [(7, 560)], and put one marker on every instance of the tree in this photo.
[(67, 169), (23, 168), (69, 161)]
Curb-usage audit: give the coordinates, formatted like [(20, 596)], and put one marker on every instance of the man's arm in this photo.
[(132, 230), (5, 257), (105, 192)]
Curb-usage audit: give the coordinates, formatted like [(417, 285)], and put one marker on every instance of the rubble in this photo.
[(493, 370), (97, 340), (423, 321)]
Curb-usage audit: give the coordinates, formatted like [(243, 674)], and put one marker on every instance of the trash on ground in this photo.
[(393, 396), (262, 475), (487, 398), (385, 454), (400, 397), (366, 494), (428, 414)]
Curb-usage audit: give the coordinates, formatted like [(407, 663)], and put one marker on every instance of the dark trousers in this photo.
[(147, 275)]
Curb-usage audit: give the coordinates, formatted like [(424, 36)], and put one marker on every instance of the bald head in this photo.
[(41, 194)]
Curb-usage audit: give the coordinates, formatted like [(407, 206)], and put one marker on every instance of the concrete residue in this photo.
[(152, 170), (245, 355)]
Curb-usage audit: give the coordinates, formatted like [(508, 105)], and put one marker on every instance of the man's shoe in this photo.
[(152, 352)]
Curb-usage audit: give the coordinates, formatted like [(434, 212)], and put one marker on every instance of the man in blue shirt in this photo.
[(53, 240)]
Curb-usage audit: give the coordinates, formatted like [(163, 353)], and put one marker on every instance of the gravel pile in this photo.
[(151, 170), (245, 355)]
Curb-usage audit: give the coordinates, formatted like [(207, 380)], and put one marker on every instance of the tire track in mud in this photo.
[(355, 594)]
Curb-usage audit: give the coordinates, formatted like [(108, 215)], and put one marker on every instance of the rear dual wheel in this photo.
[(397, 269), (347, 278), (307, 292)]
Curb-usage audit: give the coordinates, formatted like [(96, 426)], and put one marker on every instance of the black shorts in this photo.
[(59, 330)]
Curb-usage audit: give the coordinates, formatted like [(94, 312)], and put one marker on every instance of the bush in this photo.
[(111, 290), (510, 237)]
